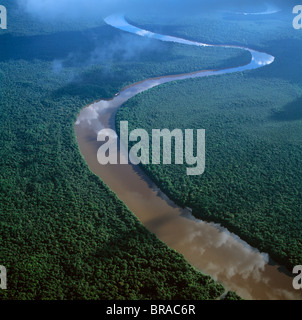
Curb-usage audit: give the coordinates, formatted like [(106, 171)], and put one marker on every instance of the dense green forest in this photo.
[(253, 121), (232, 296), (63, 233)]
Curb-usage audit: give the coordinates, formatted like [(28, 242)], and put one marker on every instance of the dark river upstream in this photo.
[(207, 246)]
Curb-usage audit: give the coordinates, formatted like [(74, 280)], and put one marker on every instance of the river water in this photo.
[(207, 246)]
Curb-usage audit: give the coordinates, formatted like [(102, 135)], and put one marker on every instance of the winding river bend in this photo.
[(209, 247)]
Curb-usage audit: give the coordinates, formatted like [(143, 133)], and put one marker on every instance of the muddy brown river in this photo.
[(207, 246)]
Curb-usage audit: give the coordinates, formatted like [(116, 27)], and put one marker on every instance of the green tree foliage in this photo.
[(232, 296), (253, 181), (63, 233)]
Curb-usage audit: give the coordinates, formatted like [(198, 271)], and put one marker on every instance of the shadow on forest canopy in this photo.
[(291, 112)]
